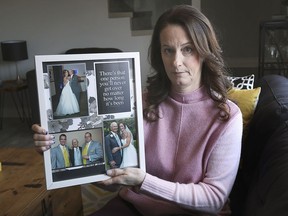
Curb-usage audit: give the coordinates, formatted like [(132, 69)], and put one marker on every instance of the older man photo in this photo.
[(92, 151), (112, 141)]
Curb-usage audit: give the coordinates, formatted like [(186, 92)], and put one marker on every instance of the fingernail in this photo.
[(108, 172), (45, 132), (52, 142), (52, 137)]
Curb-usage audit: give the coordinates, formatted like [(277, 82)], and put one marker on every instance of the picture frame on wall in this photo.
[(92, 105)]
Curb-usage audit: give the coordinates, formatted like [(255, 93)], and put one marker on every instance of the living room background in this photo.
[(52, 27)]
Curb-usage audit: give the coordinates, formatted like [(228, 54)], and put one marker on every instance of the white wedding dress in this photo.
[(129, 155), (68, 103)]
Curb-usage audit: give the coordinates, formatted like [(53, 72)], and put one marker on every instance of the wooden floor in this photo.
[(15, 133)]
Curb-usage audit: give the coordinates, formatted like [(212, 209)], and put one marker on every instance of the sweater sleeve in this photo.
[(211, 193)]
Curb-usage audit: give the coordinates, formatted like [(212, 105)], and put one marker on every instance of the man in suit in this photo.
[(92, 151), (113, 146), (75, 153), (59, 155), (75, 86)]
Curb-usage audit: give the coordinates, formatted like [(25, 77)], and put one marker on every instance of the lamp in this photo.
[(14, 50)]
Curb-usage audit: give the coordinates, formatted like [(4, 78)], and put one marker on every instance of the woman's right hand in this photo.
[(42, 140), (115, 149)]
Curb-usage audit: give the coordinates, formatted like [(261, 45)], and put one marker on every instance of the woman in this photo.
[(192, 132), (68, 103), (129, 153)]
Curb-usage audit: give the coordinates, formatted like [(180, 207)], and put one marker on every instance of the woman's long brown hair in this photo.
[(203, 37)]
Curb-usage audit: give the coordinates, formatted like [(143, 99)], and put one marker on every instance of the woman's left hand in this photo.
[(126, 176)]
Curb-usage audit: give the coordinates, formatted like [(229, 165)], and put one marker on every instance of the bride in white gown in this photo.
[(129, 153), (68, 103)]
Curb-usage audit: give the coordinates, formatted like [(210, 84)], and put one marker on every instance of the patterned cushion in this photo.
[(245, 82)]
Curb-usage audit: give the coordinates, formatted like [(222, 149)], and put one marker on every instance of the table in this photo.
[(18, 89), (23, 187)]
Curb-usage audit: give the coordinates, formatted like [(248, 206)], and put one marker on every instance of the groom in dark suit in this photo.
[(75, 86), (113, 146)]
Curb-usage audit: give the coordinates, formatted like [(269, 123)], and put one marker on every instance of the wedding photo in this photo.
[(68, 89), (120, 143)]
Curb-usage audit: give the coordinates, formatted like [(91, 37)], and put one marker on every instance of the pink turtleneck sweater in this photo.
[(192, 157)]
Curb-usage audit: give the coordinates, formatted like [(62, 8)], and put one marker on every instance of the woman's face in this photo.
[(182, 63), (121, 127)]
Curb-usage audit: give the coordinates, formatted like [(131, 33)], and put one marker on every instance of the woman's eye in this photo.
[(168, 51), (187, 50)]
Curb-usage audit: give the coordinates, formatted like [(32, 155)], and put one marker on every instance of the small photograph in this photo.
[(121, 147), (68, 90), (77, 154)]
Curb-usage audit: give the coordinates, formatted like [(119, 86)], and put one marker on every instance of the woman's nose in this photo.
[(178, 58)]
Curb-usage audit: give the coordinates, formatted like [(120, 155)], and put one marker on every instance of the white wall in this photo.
[(52, 27)]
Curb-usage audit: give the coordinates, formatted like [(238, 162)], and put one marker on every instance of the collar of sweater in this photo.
[(191, 97)]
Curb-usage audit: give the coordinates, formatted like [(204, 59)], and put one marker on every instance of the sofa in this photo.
[(261, 186)]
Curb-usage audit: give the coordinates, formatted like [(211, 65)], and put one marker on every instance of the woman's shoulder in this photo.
[(235, 111), (65, 79), (233, 107)]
